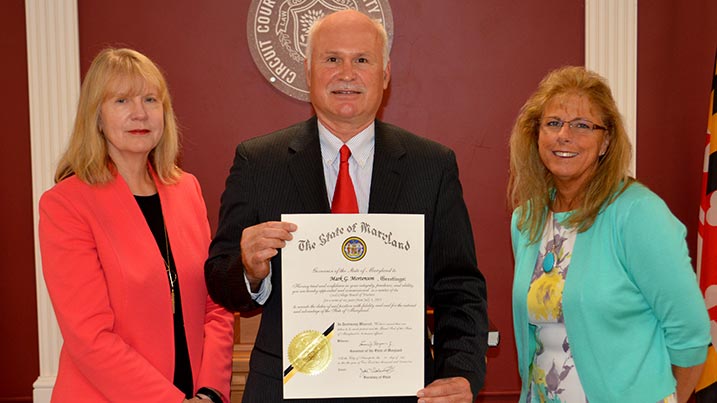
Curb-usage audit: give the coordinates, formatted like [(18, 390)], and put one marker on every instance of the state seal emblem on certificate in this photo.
[(353, 321)]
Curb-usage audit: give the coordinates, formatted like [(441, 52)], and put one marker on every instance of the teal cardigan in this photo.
[(631, 303)]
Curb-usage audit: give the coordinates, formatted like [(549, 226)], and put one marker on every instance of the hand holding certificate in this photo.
[(353, 306)]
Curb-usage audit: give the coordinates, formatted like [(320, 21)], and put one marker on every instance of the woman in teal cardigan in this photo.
[(628, 324)]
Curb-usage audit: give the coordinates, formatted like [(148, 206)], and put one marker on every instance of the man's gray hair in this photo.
[(379, 27)]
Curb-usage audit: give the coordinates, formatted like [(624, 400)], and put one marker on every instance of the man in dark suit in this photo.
[(294, 170)]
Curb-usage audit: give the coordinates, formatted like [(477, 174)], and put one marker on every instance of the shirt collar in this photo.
[(361, 145)]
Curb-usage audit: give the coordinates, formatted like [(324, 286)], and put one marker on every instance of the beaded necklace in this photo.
[(171, 274)]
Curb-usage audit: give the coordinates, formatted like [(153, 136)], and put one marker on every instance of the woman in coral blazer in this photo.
[(124, 236)]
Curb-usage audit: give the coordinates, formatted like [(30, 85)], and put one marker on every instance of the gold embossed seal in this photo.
[(309, 352)]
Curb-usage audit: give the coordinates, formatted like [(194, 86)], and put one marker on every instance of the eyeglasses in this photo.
[(576, 126)]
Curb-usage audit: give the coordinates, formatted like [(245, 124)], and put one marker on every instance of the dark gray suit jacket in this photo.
[(282, 173)]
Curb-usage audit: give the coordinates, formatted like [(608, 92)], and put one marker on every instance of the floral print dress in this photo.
[(553, 376)]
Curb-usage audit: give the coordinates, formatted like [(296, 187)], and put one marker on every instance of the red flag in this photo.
[(707, 242)]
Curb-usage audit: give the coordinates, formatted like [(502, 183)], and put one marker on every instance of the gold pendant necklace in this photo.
[(172, 276)]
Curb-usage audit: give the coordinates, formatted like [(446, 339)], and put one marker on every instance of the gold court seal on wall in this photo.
[(277, 34), (309, 352)]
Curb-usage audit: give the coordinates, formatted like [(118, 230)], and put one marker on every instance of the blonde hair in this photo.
[(86, 155), (531, 186)]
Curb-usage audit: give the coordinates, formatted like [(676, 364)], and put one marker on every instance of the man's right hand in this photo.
[(259, 243)]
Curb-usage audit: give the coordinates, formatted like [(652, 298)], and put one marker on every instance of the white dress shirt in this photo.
[(360, 168), (360, 162)]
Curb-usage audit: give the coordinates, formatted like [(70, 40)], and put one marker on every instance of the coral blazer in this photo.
[(108, 285)]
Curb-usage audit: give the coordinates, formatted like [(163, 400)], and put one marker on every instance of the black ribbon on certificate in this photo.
[(304, 352)]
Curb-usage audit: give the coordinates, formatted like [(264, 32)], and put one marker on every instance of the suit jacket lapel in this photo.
[(306, 167), (387, 170)]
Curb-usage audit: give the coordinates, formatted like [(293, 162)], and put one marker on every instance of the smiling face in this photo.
[(132, 120), (571, 158), (346, 77)]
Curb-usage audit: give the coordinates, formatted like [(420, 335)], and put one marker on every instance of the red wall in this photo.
[(461, 71), (18, 308), (677, 42)]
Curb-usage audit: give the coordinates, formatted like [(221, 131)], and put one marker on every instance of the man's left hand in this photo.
[(453, 390)]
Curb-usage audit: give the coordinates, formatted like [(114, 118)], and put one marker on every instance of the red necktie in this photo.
[(344, 195)]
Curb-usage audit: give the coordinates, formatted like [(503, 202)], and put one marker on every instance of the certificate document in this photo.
[(353, 305)]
